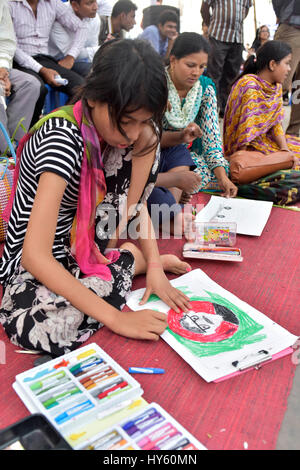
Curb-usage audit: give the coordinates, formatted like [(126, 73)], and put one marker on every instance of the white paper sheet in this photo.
[(273, 338), (251, 216)]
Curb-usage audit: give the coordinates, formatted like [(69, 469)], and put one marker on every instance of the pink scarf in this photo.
[(92, 190)]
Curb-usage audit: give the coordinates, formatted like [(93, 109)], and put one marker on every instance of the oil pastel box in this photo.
[(152, 428), (85, 394), (76, 387)]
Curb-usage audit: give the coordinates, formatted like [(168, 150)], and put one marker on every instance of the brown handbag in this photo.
[(247, 166)]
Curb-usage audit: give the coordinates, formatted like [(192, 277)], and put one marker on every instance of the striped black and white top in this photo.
[(226, 21), (56, 147)]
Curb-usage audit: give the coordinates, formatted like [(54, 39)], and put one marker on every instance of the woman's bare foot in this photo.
[(173, 264)]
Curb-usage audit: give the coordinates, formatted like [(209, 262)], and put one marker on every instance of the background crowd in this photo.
[(46, 38)]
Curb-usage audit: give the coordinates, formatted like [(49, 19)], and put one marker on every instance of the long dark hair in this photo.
[(271, 50), (127, 75), (189, 43)]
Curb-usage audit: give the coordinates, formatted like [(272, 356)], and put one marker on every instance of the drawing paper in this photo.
[(219, 331), (251, 216)]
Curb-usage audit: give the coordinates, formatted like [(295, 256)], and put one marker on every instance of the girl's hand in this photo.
[(158, 283), (142, 324)]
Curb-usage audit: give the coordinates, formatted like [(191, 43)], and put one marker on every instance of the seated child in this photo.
[(62, 274)]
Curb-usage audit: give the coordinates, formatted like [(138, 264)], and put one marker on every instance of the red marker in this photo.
[(63, 363), (110, 390)]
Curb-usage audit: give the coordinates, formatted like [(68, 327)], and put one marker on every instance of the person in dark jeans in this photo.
[(74, 81), (225, 21)]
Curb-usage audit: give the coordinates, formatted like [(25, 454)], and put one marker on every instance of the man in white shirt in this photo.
[(22, 89), (33, 21), (61, 38)]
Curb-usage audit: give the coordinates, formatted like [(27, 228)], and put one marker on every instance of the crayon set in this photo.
[(85, 392), (150, 429)]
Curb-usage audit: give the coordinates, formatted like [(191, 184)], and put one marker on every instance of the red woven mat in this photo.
[(245, 409)]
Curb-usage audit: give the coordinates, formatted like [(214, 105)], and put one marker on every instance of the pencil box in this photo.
[(82, 394), (194, 250), (214, 233)]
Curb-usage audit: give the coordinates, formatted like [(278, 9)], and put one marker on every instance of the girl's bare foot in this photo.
[(173, 264)]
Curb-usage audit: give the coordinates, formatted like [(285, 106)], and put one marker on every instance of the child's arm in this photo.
[(141, 168), (37, 258), (156, 280)]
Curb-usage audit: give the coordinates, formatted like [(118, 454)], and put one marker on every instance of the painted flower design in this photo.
[(114, 161)]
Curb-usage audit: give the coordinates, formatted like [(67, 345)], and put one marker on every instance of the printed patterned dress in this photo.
[(34, 317)]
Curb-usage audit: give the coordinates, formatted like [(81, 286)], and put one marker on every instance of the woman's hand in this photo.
[(158, 283), (296, 160), (229, 189), (191, 132), (296, 163)]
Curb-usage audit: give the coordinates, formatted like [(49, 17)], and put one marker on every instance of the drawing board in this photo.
[(221, 333)]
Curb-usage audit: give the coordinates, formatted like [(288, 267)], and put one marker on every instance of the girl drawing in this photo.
[(62, 278)]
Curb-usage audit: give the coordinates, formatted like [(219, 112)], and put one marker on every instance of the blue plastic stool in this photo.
[(54, 99)]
